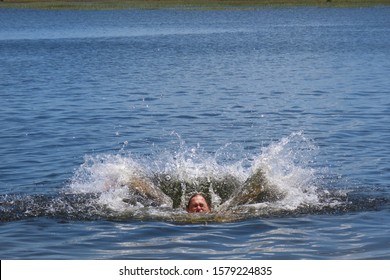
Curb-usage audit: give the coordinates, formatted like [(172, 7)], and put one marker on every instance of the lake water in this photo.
[(90, 99)]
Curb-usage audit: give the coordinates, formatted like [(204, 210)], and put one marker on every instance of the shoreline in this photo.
[(184, 4)]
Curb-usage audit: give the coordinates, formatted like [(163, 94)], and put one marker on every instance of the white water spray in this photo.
[(287, 165)]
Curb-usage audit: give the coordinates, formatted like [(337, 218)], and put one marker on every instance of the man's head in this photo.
[(198, 203)]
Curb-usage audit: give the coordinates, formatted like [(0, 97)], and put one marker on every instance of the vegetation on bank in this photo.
[(181, 4)]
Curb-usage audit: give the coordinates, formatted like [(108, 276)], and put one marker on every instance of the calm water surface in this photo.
[(94, 96)]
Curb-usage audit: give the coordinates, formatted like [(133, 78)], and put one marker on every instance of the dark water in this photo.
[(92, 99)]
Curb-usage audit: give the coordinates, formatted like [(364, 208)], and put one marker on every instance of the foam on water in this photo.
[(284, 174), (190, 163), (286, 164)]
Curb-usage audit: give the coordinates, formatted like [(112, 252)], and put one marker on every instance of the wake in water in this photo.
[(281, 180)]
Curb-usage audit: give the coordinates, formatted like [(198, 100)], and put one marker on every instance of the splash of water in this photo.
[(288, 165), (279, 179), (187, 170)]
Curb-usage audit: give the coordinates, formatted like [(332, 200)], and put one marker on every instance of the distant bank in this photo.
[(182, 4)]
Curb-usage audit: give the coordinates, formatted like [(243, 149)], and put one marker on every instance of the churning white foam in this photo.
[(286, 163), (109, 176), (190, 164)]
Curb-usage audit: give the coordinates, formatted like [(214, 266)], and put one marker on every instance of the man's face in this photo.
[(198, 204)]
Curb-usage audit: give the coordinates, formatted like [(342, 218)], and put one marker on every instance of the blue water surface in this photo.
[(234, 86)]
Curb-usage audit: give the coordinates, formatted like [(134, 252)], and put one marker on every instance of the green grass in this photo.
[(181, 4)]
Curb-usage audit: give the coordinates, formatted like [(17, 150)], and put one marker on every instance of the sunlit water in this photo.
[(200, 101)]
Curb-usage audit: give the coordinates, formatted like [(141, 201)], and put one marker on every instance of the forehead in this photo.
[(198, 199)]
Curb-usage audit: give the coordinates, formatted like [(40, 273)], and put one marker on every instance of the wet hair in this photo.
[(206, 198)]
